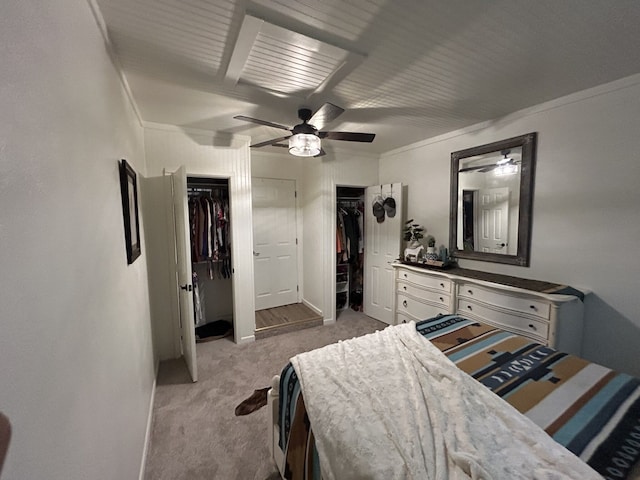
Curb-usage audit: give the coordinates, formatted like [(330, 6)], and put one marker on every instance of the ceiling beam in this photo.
[(352, 62), (244, 43)]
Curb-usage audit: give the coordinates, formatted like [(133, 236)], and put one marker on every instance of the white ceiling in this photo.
[(405, 70)]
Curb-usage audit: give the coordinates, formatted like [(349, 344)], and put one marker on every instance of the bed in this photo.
[(516, 390)]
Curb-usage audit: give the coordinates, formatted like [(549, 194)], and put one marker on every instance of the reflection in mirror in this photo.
[(491, 188)]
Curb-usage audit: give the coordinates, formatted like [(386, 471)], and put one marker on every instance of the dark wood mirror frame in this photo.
[(527, 170)]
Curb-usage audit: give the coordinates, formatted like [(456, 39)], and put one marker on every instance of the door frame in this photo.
[(299, 233), (333, 263), (172, 229)]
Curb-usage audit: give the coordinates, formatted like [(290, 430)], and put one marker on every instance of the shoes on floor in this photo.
[(253, 403)]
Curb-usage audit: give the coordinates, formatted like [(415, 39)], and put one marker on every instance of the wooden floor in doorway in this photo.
[(274, 321)]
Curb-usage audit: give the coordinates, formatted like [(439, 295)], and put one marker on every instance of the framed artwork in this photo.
[(129, 189)]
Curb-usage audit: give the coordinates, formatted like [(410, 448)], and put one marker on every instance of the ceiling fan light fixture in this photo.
[(304, 145), (506, 169)]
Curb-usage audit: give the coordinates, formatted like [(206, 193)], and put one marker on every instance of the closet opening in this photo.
[(210, 249), (349, 249)]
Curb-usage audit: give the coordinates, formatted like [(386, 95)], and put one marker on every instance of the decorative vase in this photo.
[(432, 254)]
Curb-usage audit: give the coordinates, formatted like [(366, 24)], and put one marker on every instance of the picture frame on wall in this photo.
[(129, 190)]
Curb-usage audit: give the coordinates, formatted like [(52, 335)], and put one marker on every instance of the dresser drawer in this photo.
[(417, 309), (530, 306), (511, 322), (403, 318), (437, 283), (420, 293)]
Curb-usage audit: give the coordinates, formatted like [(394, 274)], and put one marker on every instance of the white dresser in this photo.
[(551, 319)]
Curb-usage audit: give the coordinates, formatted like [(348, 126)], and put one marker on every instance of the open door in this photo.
[(383, 242), (183, 270)]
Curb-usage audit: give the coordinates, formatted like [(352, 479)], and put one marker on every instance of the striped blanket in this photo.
[(591, 410)]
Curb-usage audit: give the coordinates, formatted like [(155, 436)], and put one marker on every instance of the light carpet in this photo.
[(196, 434)]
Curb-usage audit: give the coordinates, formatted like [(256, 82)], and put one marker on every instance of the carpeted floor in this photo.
[(196, 434)]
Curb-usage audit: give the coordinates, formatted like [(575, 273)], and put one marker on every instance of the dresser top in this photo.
[(523, 283)]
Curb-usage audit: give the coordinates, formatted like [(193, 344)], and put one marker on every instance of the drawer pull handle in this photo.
[(441, 299), (532, 326), (470, 292), (532, 307), (406, 276), (469, 307), (442, 285), (404, 303), (405, 287)]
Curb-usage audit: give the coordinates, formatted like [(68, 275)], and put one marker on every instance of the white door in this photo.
[(183, 270), (274, 242), (382, 244), (494, 220)]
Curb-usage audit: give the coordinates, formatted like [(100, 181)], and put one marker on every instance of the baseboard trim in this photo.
[(311, 306), (147, 435), (329, 321), (247, 339)]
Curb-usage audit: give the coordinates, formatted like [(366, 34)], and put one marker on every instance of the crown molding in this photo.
[(582, 95)]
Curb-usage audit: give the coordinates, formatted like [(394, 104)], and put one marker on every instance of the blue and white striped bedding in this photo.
[(591, 410)]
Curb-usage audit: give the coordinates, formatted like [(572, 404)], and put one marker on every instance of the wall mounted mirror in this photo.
[(491, 201)]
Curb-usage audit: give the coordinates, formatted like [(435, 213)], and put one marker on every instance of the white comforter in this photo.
[(390, 405)]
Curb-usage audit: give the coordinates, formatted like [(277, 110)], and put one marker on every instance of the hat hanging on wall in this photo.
[(378, 209), (389, 205)]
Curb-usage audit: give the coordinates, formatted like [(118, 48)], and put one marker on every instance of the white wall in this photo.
[(586, 220), (203, 154), (77, 366)]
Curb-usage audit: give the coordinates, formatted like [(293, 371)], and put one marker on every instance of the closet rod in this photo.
[(200, 190)]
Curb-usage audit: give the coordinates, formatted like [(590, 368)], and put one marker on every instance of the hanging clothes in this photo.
[(209, 226), (361, 227), (350, 249), (198, 300), (341, 238), (352, 233)]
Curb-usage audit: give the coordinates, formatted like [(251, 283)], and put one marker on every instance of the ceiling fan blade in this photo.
[(478, 167), (269, 142), (487, 168), (326, 114), (261, 122), (348, 136)]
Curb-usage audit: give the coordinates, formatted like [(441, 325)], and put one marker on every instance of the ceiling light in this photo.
[(507, 169), (304, 145)]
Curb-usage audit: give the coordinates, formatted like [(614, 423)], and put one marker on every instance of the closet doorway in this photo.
[(349, 249), (364, 278), (203, 263)]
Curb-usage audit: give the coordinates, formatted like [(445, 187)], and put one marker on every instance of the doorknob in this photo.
[(501, 245), (187, 287), (255, 254)]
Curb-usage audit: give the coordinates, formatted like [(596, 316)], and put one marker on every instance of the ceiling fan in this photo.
[(506, 165), (304, 140)]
